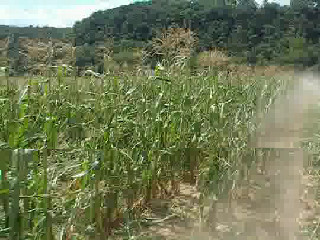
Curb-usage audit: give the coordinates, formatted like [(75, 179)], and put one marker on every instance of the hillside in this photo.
[(256, 35), (267, 34), (35, 32)]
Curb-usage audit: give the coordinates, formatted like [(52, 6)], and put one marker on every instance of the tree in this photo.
[(244, 29), (247, 5), (300, 4)]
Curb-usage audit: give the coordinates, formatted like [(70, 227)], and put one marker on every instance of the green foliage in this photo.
[(130, 57), (243, 28), (36, 32), (238, 26), (125, 134)]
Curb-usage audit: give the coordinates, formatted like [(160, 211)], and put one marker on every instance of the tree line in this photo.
[(266, 34), (35, 32), (269, 34)]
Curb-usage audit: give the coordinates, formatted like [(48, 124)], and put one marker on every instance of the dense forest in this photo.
[(266, 34), (35, 32)]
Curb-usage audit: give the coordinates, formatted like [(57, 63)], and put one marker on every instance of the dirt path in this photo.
[(279, 206)]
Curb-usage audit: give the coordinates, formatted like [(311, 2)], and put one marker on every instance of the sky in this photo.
[(58, 13)]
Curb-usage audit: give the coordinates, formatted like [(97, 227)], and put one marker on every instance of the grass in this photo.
[(121, 144)]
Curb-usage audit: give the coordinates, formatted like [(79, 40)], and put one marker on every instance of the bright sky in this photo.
[(57, 13)]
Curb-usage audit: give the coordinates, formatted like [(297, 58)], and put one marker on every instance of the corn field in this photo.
[(81, 158)]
